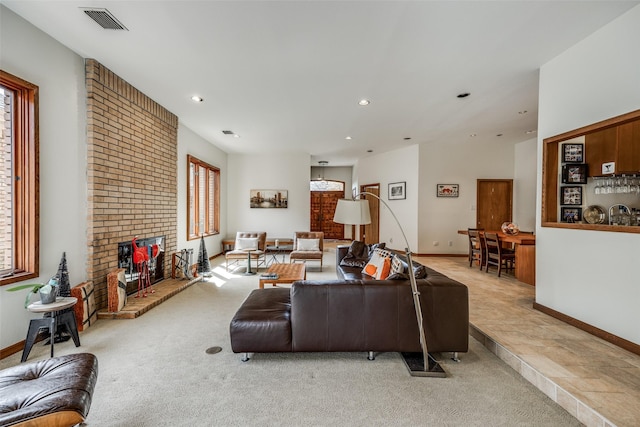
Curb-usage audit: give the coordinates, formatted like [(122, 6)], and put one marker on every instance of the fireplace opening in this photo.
[(156, 263)]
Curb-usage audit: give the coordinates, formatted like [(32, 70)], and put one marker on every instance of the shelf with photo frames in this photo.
[(576, 183)]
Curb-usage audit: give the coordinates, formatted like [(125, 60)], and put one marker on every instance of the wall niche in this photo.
[(610, 151)]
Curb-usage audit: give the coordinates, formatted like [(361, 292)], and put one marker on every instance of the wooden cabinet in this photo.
[(628, 159), (619, 144)]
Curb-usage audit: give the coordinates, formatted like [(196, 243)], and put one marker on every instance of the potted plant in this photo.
[(47, 291)]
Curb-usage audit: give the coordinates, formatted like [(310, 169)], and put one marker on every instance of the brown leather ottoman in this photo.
[(262, 323), (51, 392)]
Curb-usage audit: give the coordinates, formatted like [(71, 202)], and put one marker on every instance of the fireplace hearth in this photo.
[(156, 264)]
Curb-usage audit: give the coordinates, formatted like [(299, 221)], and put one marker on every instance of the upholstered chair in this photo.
[(245, 240), (307, 246)]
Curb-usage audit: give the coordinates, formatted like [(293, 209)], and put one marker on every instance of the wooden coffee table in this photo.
[(287, 273)]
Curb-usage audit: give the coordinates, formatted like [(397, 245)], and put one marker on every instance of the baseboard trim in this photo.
[(12, 349), (444, 255), (607, 336)]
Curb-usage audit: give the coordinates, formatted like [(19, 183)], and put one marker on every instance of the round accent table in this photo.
[(59, 316)]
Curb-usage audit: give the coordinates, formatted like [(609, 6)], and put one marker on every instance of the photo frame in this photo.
[(397, 191), (574, 173), (572, 153), (568, 214), (447, 190), (268, 199), (571, 196)]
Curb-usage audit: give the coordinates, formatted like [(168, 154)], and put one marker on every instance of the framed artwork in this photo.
[(268, 198), (447, 190), (571, 195), (572, 153), (570, 214), (574, 174), (397, 190)]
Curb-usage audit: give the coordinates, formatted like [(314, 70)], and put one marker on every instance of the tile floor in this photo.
[(597, 382)]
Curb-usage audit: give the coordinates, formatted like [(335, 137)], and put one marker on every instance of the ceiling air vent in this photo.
[(104, 18)]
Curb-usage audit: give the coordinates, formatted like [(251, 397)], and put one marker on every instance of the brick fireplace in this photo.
[(131, 177)]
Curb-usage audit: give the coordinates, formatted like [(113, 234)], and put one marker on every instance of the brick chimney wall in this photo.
[(132, 167)]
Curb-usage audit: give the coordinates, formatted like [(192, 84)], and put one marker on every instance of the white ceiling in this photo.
[(288, 75)]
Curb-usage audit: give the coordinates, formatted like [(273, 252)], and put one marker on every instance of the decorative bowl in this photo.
[(510, 228)]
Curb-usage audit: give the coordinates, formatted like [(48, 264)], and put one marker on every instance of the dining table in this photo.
[(524, 245)]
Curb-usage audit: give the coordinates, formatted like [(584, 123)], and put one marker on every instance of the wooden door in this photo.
[(371, 232), (323, 206), (494, 203)]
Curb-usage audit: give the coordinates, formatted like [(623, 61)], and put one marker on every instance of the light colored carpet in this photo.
[(154, 372)]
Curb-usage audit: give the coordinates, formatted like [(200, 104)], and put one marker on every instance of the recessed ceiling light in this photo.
[(499, 134), (196, 98), (530, 131), (407, 138), (463, 95), (369, 151), (347, 137), (364, 102), (522, 112)]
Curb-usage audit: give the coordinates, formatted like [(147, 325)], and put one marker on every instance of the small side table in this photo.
[(274, 251), (66, 318), (249, 272)]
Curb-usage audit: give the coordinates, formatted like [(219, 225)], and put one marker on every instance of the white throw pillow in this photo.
[(379, 265), (308, 244), (244, 243)]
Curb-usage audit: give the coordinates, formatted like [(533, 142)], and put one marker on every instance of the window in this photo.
[(326, 185), (19, 192), (204, 199)]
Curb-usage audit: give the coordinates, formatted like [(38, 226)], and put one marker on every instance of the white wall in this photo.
[(191, 143), (278, 171), (32, 55), (524, 184), (463, 163), (591, 275), (389, 167)]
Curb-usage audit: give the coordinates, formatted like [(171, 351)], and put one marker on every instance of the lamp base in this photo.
[(415, 365)]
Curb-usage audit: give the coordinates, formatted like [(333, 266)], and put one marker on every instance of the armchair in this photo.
[(246, 240), (307, 245)]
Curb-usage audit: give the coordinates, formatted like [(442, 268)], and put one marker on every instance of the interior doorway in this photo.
[(494, 203), (370, 233), (324, 199)]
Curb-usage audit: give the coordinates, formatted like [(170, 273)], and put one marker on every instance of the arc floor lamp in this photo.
[(356, 212)]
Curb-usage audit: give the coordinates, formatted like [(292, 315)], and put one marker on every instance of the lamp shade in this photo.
[(355, 212)]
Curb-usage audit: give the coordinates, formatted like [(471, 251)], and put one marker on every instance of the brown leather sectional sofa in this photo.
[(353, 314)]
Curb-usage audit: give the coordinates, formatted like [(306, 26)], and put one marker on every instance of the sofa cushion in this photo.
[(402, 273), (359, 254), (379, 265)]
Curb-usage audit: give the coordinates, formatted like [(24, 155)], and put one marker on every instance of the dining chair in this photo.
[(476, 248), (496, 255)]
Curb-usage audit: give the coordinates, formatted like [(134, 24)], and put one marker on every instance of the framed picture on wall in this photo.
[(571, 195), (447, 190), (397, 190), (572, 153), (268, 198), (574, 174), (570, 214)]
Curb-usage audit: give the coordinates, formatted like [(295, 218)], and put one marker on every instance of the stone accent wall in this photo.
[(132, 167)]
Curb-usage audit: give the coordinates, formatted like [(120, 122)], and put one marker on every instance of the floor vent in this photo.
[(104, 18)]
